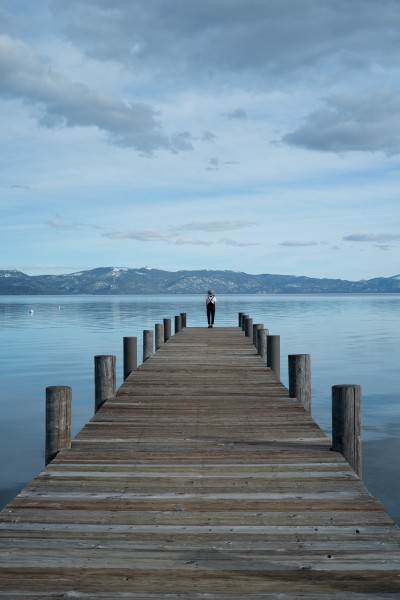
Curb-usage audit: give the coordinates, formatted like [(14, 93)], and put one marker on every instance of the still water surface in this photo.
[(351, 339)]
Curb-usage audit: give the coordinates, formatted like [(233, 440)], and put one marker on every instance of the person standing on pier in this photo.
[(211, 303)]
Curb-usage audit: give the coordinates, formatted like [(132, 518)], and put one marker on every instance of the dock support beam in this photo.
[(248, 327), (274, 354), (130, 355), (346, 423), (148, 344), (58, 420), (262, 335), (300, 379), (178, 323), (167, 329), (159, 331), (104, 379)]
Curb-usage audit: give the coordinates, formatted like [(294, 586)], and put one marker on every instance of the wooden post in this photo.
[(274, 354), (167, 329), (248, 327), (240, 319), (148, 344), (346, 423), (130, 355), (104, 379), (183, 320), (262, 335), (300, 379), (58, 420), (256, 327), (159, 331), (178, 323), (244, 317)]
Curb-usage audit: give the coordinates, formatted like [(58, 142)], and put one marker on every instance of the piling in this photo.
[(183, 320), (244, 317), (248, 327), (256, 327), (130, 355), (167, 329), (178, 323), (274, 354), (104, 379), (299, 366), (240, 319), (159, 331), (58, 420), (148, 344), (262, 335), (346, 423)]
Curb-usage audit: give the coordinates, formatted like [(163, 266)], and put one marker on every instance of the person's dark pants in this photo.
[(210, 313)]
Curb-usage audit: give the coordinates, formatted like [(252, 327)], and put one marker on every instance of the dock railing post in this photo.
[(299, 366), (159, 331), (178, 323), (248, 327), (58, 420), (346, 423), (130, 355), (104, 379), (167, 329), (262, 335), (148, 344), (256, 327), (240, 322), (183, 320), (244, 317), (274, 354)]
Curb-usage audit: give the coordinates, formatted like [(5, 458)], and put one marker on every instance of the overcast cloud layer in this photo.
[(253, 135)]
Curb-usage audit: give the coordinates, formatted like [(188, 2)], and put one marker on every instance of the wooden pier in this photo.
[(200, 479)]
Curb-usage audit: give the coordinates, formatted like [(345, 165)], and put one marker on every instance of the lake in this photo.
[(51, 340)]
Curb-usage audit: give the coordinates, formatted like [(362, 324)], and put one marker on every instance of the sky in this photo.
[(249, 135)]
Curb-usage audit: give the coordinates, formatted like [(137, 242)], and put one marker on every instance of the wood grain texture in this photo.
[(200, 479)]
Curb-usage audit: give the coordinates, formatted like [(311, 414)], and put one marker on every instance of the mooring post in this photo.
[(256, 327), (58, 420), (274, 354), (130, 355), (244, 317), (148, 344), (240, 319), (167, 329), (159, 331), (183, 320), (262, 335), (104, 379), (248, 327), (178, 323), (299, 366), (346, 423)]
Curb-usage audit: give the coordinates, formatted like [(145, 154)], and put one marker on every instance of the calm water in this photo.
[(351, 339)]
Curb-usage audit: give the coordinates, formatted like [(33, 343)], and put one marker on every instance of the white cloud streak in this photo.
[(372, 237)]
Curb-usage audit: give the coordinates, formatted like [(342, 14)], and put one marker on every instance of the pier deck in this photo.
[(201, 479)]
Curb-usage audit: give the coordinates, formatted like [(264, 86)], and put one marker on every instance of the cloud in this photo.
[(141, 235), (229, 242), (211, 38), (191, 242), (57, 224), (212, 226), (372, 237), (63, 103), (239, 114), (302, 244), (348, 123)]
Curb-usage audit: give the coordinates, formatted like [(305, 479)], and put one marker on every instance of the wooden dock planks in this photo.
[(200, 479)]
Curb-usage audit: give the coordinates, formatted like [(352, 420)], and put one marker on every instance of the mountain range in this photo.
[(117, 280)]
